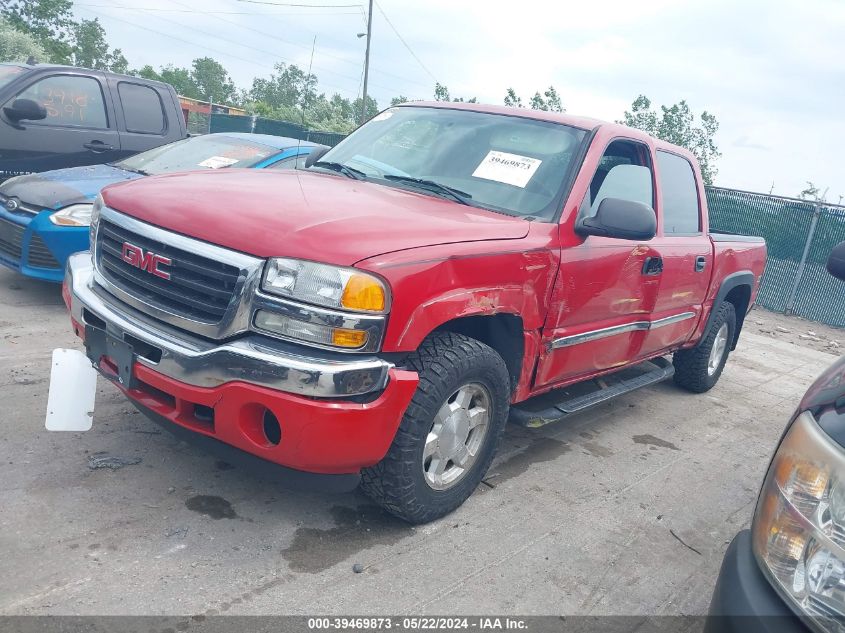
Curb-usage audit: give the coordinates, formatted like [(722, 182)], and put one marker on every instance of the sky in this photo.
[(771, 71)]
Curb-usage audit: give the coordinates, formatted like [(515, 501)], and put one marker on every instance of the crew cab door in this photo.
[(685, 250), (141, 116), (603, 293), (79, 129)]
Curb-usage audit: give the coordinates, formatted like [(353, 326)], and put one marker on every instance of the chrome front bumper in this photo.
[(253, 359)]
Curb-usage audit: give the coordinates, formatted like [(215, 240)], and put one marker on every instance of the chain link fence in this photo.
[(261, 125), (800, 235)]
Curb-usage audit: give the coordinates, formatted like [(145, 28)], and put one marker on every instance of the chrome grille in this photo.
[(39, 255), (199, 288), (11, 238)]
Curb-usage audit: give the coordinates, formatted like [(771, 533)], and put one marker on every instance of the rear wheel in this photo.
[(698, 369), (449, 433)]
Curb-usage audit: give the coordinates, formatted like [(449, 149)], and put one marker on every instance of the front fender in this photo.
[(458, 304), (433, 286)]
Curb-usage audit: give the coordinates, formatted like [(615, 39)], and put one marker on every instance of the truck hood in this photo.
[(303, 214), (61, 187)]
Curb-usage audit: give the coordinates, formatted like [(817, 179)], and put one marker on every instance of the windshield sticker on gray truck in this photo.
[(510, 169), (216, 162)]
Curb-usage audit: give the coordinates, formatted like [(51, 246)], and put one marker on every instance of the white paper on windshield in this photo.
[(510, 169), (216, 162), (73, 387)]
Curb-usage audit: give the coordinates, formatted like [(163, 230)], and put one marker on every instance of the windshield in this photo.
[(199, 152), (9, 73), (505, 163)]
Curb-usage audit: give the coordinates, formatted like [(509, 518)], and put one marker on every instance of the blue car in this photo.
[(44, 217)]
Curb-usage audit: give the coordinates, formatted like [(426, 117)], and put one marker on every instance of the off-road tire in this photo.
[(445, 361), (691, 364)]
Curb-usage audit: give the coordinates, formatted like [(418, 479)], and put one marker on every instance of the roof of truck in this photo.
[(78, 69)]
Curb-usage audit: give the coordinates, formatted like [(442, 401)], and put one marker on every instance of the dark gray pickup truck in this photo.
[(60, 116)]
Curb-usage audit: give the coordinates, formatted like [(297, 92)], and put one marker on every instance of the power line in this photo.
[(401, 39), (236, 43), (275, 37), (311, 6), (208, 48), (267, 13)]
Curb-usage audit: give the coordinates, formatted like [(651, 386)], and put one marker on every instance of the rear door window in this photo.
[(70, 100), (142, 108), (680, 195)]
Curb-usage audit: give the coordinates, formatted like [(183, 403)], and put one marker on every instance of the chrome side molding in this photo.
[(635, 326)]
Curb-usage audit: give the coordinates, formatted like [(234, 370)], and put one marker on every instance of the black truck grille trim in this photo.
[(199, 288)]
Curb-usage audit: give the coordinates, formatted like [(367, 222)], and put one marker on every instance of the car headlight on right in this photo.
[(328, 306), (798, 532), (325, 285), (73, 215)]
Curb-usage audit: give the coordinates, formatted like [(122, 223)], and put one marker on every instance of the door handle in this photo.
[(653, 266), (700, 263), (97, 146)]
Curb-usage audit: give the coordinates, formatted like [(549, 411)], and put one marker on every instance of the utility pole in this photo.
[(367, 63)]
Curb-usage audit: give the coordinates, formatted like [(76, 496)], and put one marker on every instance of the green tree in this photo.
[(677, 124), (372, 108), (49, 22), (395, 101), (549, 100), (16, 46), (181, 80), (147, 72), (441, 92), (90, 49), (288, 87), (212, 80), (553, 100), (512, 100)]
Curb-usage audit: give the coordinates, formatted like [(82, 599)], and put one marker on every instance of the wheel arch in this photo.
[(735, 289), (502, 331)]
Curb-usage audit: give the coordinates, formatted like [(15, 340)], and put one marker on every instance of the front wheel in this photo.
[(698, 369), (449, 433)]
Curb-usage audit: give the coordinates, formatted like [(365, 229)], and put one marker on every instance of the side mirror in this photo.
[(25, 109), (836, 261), (316, 154), (622, 219)]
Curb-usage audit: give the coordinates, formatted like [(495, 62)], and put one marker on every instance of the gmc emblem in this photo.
[(147, 261)]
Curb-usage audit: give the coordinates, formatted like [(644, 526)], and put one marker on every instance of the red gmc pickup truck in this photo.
[(380, 315)]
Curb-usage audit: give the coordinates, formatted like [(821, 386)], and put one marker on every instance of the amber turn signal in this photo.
[(348, 338), (362, 292)]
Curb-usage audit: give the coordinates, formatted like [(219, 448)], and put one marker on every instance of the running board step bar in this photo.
[(546, 409)]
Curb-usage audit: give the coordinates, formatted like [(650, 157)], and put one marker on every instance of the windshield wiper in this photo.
[(346, 170), (132, 169), (434, 187)]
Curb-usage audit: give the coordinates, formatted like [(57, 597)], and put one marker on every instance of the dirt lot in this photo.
[(626, 509)]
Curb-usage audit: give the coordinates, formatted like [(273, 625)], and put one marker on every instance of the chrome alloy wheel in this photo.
[(720, 346), (456, 436)]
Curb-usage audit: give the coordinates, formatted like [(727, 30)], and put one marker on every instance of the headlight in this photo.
[(324, 285), (324, 335), (798, 532), (74, 215)]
